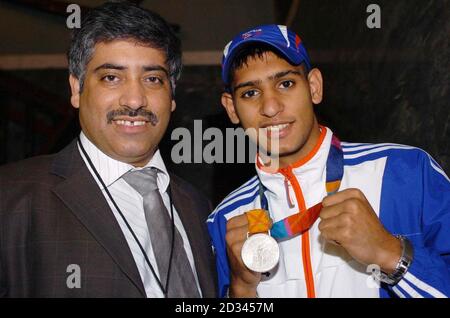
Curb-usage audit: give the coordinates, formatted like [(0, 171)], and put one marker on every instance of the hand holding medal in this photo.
[(252, 251), (243, 281)]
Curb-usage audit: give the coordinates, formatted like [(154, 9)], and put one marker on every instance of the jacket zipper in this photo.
[(306, 256)]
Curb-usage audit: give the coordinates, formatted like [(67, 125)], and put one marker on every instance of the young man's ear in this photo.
[(228, 103), (174, 105), (75, 89), (315, 85)]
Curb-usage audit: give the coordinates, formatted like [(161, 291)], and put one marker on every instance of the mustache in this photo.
[(147, 114)]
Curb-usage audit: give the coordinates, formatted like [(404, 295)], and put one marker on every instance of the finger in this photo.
[(235, 235), (237, 221), (331, 211), (234, 253), (235, 259), (343, 196), (333, 234), (351, 205), (339, 229), (346, 206), (343, 220), (332, 228), (235, 249), (334, 242)]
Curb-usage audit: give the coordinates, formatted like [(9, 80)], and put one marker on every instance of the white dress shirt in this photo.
[(131, 203)]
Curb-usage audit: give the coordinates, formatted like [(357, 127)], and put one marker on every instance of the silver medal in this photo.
[(260, 253)]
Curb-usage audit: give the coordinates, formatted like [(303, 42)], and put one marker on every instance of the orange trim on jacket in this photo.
[(290, 176)]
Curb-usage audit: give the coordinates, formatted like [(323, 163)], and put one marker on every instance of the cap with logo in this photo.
[(286, 42)]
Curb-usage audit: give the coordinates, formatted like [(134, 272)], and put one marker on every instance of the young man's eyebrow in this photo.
[(284, 73), (245, 84), (275, 76)]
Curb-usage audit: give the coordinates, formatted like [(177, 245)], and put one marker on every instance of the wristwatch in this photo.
[(402, 266)]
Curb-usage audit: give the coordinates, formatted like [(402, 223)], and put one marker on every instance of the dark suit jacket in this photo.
[(53, 214)]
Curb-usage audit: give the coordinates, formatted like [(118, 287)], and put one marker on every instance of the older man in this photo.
[(104, 218)]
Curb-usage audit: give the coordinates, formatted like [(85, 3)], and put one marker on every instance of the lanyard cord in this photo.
[(163, 289)]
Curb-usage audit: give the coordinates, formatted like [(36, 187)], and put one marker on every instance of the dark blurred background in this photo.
[(381, 85)]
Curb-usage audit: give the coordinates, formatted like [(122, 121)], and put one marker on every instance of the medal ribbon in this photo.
[(258, 221), (300, 222)]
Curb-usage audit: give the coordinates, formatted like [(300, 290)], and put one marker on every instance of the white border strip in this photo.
[(246, 196), (398, 292), (371, 146), (437, 168), (424, 286), (368, 152), (407, 288)]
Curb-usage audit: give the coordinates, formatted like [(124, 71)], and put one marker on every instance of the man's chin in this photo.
[(283, 152), (132, 155)]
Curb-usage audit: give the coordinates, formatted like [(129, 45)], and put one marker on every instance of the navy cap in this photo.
[(279, 37)]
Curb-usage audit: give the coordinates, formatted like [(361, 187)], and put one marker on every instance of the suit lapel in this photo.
[(81, 194), (195, 228)]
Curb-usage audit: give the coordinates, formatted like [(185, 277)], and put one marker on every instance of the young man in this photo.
[(382, 207), (104, 218)]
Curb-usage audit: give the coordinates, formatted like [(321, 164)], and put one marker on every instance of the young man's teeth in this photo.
[(130, 123), (277, 127)]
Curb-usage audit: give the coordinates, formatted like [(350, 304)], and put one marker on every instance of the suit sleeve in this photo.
[(429, 273)]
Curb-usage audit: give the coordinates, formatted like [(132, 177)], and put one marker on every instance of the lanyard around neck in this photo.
[(302, 221), (164, 289)]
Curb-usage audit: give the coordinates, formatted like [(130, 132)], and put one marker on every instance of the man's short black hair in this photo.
[(116, 20), (251, 50)]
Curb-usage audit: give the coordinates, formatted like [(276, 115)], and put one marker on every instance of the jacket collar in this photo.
[(82, 196), (308, 169), (111, 170)]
